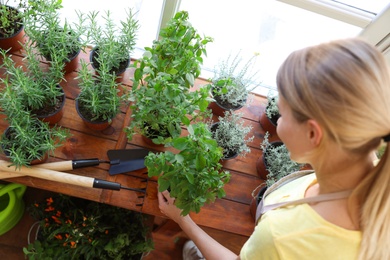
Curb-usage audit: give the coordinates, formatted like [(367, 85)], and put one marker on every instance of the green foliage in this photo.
[(177, 55), (278, 161), (11, 19), (29, 139), (272, 110), (72, 228), (114, 44), (55, 40), (193, 175), (99, 99), (232, 80), (34, 87), (163, 102), (231, 134), (161, 108)]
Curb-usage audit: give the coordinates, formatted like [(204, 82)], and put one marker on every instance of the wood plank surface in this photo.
[(230, 214)]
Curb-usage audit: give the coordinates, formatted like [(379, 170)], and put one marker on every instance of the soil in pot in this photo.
[(72, 59), (218, 107), (119, 70), (150, 135), (52, 113), (98, 125), (8, 134), (16, 40)]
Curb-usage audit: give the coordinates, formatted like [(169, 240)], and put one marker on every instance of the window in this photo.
[(147, 13), (269, 27)]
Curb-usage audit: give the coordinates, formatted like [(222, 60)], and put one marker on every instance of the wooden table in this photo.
[(230, 214)]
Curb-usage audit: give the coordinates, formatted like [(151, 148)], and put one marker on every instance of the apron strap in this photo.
[(261, 209), (318, 198)]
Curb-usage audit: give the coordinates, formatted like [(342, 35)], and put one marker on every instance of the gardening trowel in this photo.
[(121, 161)]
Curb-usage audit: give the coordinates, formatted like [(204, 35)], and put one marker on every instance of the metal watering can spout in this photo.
[(11, 205)]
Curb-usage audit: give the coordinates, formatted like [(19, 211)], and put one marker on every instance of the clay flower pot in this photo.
[(14, 42), (93, 125)]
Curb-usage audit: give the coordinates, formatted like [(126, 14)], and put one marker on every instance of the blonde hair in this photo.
[(345, 86)]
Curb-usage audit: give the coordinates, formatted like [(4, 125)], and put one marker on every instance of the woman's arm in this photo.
[(210, 248)]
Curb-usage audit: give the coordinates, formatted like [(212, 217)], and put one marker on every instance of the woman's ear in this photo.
[(315, 132)]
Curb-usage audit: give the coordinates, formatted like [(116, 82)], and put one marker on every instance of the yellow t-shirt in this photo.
[(298, 232)]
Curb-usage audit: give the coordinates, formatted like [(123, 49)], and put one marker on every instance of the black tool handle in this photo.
[(85, 163), (102, 184)]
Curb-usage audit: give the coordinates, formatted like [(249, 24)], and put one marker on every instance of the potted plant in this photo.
[(113, 45), (54, 39), (269, 119), (36, 87), (276, 160), (73, 228), (28, 140), (274, 164), (11, 25), (232, 83), (177, 54), (193, 175), (98, 102), (231, 135), (161, 95), (161, 108)]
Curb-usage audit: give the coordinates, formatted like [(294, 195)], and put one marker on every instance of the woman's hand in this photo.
[(167, 206)]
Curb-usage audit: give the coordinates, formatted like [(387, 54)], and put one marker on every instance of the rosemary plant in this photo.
[(55, 40), (113, 44), (98, 100), (231, 134), (36, 87)]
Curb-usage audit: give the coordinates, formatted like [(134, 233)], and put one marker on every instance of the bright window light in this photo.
[(268, 27)]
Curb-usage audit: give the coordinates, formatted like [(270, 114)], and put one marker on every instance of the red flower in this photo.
[(58, 236), (49, 201), (50, 208), (56, 219)]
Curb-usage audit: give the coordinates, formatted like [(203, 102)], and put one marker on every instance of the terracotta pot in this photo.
[(219, 109), (57, 115), (261, 164), (93, 125), (72, 64), (122, 66), (16, 41), (149, 141), (268, 126), (42, 159)]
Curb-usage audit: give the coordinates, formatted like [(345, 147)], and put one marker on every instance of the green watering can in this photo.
[(11, 205)]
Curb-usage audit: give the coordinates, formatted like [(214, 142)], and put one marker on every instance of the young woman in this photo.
[(333, 101)]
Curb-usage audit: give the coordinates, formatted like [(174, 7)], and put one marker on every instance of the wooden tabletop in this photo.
[(230, 214)]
